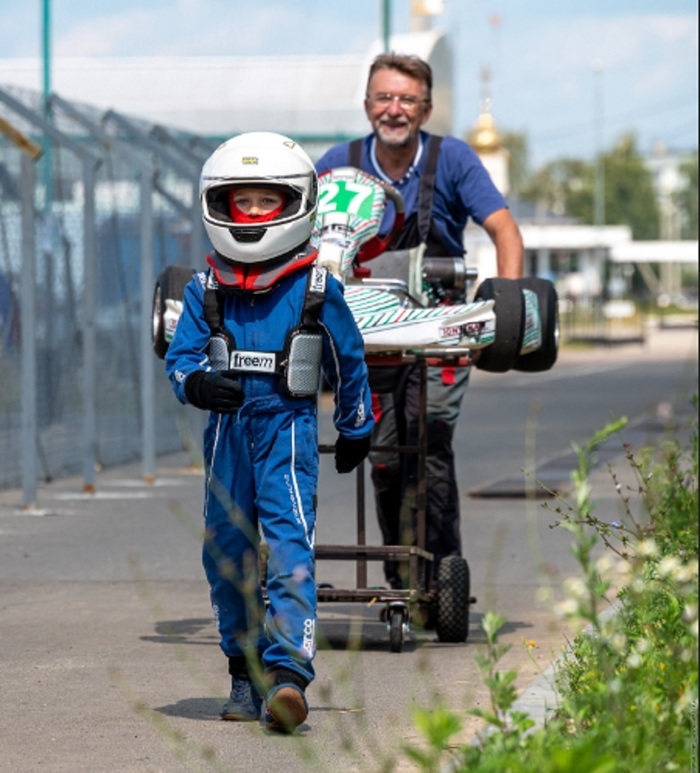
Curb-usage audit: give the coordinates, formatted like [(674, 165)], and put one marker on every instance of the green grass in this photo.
[(628, 683)]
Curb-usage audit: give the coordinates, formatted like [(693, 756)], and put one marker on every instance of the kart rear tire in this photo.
[(452, 619), (509, 309), (544, 357), (170, 285)]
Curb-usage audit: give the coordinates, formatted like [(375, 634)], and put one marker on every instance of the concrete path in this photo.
[(108, 654)]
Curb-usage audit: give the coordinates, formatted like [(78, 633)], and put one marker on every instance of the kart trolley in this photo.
[(512, 324), (441, 602)]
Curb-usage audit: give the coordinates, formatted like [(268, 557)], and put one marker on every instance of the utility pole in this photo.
[(47, 240), (386, 24), (599, 201), (46, 93), (599, 191)]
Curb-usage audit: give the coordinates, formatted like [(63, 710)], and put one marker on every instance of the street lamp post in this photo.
[(47, 223), (46, 93), (599, 199), (599, 190), (386, 24)]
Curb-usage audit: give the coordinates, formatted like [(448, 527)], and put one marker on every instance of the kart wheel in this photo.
[(544, 357), (509, 309), (452, 621), (170, 285)]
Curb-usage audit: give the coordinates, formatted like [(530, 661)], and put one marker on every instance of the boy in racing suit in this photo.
[(258, 194)]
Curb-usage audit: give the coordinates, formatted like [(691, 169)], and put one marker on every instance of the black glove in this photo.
[(349, 453), (214, 390)]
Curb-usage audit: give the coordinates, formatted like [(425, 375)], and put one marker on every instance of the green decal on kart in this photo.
[(346, 196)]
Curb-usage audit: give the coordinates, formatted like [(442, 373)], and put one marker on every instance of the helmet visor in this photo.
[(217, 201)]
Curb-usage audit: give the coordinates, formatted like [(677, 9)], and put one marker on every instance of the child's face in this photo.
[(257, 202)]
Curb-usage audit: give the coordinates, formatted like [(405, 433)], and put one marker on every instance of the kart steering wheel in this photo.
[(351, 210), (378, 244)]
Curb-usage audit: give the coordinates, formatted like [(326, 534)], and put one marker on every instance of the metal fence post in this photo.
[(28, 334), (147, 279), (89, 330)]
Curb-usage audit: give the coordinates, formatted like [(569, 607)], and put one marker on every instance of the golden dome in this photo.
[(485, 137)]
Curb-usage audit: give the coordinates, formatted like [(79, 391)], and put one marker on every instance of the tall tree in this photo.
[(518, 159), (564, 187), (629, 190), (567, 187), (686, 199)]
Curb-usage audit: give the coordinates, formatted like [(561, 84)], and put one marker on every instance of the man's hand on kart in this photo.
[(349, 452), (214, 390)]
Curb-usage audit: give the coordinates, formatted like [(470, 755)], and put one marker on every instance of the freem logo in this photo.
[(253, 362)]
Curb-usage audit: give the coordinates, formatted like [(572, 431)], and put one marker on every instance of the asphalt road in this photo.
[(109, 659)]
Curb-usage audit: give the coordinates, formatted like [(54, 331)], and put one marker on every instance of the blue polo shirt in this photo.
[(463, 188)]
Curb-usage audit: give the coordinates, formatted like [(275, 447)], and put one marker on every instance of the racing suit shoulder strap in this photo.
[(315, 294), (213, 310), (427, 186), (211, 307)]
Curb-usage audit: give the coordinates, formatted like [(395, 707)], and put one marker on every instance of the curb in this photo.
[(539, 699)]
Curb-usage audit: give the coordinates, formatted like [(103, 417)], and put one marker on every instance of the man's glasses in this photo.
[(406, 101)]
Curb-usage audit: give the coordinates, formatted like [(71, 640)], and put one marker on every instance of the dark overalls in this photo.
[(395, 404)]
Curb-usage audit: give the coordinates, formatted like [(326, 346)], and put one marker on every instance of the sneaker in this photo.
[(285, 706), (244, 703)]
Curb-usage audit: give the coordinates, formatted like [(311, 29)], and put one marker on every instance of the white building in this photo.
[(319, 101)]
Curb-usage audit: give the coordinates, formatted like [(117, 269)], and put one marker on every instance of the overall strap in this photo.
[(427, 186), (355, 153), (424, 209)]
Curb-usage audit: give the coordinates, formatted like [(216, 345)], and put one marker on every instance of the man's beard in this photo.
[(389, 138)]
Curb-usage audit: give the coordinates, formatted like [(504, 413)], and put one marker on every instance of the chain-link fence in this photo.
[(85, 228)]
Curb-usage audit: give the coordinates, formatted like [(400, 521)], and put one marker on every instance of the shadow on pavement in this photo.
[(186, 631)]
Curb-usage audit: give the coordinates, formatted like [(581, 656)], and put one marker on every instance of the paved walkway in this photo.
[(109, 659)]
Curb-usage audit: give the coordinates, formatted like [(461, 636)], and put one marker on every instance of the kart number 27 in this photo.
[(346, 196)]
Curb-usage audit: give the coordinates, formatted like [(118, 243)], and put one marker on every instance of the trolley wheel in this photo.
[(170, 285), (544, 357), (509, 308), (452, 619), (396, 631)]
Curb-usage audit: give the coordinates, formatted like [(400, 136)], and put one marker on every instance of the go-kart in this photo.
[(397, 300)]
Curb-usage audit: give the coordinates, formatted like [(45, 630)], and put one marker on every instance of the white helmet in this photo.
[(258, 158)]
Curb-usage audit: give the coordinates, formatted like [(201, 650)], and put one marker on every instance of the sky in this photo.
[(572, 76)]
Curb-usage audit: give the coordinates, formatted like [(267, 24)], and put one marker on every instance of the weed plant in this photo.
[(627, 685)]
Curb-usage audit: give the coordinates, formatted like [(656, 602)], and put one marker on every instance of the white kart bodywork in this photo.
[(394, 315)]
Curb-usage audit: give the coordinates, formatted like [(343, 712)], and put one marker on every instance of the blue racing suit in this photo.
[(261, 465)]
